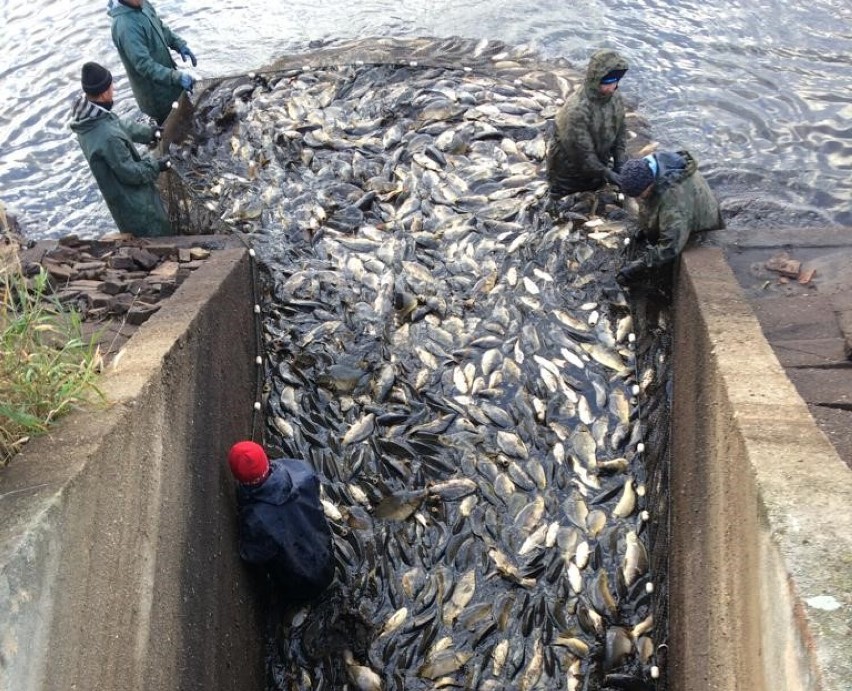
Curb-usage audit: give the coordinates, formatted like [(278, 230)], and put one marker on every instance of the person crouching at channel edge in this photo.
[(283, 529), (675, 201), (124, 176), (589, 145)]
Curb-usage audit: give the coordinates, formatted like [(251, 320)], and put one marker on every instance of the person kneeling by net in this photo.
[(283, 529), (675, 201)]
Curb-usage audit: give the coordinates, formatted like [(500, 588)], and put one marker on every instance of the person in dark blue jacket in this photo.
[(282, 525)]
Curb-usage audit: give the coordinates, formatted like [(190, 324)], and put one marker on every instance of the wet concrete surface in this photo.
[(809, 323)]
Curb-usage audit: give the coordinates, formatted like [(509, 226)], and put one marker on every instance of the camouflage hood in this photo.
[(602, 62), (672, 167)]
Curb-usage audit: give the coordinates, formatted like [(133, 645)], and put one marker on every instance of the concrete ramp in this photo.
[(118, 560), (761, 563)]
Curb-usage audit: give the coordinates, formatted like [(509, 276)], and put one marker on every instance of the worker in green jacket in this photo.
[(143, 43), (125, 178), (675, 201), (589, 145)]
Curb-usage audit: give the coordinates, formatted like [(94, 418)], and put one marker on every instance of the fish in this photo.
[(635, 562), (362, 678), (399, 506), (508, 570), (511, 444), (331, 511), (533, 671), (453, 490), (443, 663), (448, 353), (463, 592), (498, 657), (360, 430), (396, 620), (627, 502)]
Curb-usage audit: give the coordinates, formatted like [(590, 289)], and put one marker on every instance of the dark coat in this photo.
[(590, 131), (143, 43), (283, 529), (125, 178), (680, 204)]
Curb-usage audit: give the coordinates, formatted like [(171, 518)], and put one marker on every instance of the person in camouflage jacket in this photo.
[(125, 178), (143, 44), (590, 131), (675, 200)]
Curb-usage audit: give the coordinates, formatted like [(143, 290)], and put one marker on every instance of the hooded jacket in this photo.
[(125, 178), (681, 202), (283, 529), (143, 43), (590, 131)]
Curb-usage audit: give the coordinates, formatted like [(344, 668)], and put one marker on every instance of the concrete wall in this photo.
[(761, 560), (118, 563)]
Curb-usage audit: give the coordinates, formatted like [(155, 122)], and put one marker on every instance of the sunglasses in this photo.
[(610, 80)]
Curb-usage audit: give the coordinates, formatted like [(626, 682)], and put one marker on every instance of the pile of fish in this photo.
[(450, 351)]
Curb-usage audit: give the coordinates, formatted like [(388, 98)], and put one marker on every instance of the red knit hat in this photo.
[(248, 462)]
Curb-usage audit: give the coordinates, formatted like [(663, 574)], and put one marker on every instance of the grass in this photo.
[(47, 368)]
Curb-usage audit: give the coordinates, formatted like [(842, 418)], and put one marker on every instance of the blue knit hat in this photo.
[(635, 176)]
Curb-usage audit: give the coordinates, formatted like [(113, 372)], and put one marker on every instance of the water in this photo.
[(759, 93)]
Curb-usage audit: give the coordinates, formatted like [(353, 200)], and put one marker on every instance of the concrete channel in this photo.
[(118, 567), (118, 561), (117, 531)]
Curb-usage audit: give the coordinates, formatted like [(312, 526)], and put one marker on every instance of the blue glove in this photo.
[(613, 177), (186, 82), (185, 53)]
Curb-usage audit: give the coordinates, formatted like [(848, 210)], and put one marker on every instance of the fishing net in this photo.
[(188, 215), (347, 297), (651, 308)]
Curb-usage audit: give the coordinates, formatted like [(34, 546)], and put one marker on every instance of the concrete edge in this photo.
[(761, 506), (118, 560)]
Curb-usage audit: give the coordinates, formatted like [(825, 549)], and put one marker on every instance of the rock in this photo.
[(115, 283), (113, 286), (62, 273), (97, 299), (167, 271), (89, 266), (122, 263), (139, 314), (85, 285), (143, 258)]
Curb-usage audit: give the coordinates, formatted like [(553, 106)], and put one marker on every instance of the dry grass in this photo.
[(47, 368)]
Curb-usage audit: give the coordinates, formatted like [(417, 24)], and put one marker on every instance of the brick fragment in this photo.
[(784, 265)]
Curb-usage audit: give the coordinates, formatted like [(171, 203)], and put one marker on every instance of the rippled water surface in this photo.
[(759, 93)]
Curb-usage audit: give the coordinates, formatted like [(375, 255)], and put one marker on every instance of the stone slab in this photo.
[(829, 267), (761, 526), (802, 317), (837, 426), (831, 387), (815, 352), (772, 238)]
